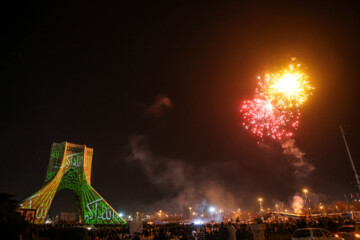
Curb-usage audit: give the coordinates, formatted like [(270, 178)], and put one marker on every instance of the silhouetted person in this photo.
[(231, 231), (162, 234), (223, 232), (201, 234), (136, 237)]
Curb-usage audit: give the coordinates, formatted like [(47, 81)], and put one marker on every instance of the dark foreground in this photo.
[(275, 230)]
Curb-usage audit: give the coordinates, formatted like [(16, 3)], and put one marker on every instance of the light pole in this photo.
[(212, 211), (190, 208), (305, 191), (260, 203), (321, 209)]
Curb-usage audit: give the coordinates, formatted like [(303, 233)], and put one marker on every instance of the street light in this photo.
[(260, 203), (321, 209), (277, 207), (212, 211), (305, 191)]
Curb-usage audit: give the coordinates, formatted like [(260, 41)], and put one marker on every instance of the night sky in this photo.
[(165, 81)]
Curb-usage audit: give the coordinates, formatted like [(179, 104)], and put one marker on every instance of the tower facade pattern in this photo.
[(70, 168)]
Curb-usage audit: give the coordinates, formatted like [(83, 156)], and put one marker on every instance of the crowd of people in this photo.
[(76, 231), (275, 229), (227, 230)]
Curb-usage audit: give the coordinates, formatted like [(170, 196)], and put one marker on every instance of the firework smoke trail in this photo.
[(297, 159), (274, 112), (297, 204)]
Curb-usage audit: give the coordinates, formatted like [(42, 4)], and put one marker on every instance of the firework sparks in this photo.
[(274, 110), (262, 118), (288, 88)]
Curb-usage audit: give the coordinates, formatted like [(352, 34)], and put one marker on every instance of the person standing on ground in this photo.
[(232, 231), (223, 232), (201, 234)]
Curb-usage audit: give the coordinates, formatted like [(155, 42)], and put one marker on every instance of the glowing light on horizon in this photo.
[(198, 222)]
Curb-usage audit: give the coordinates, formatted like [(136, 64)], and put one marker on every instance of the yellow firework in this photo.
[(288, 88)]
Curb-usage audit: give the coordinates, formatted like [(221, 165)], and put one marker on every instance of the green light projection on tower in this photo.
[(70, 168)]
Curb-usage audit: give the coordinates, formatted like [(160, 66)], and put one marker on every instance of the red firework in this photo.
[(264, 119)]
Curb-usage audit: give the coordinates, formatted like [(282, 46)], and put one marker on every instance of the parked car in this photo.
[(349, 232), (314, 234)]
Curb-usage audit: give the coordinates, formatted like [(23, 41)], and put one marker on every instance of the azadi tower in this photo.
[(70, 167)]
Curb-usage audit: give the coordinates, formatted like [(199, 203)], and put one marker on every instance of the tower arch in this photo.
[(69, 167)]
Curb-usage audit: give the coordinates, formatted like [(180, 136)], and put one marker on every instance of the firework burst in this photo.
[(263, 119), (288, 88), (274, 112)]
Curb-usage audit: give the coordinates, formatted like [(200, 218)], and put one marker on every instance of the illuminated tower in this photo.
[(70, 167)]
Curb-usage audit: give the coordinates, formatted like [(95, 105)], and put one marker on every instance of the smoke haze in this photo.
[(302, 167), (297, 204), (181, 183), (158, 108)]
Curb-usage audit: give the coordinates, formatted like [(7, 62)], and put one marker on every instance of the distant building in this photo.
[(68, 217)]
